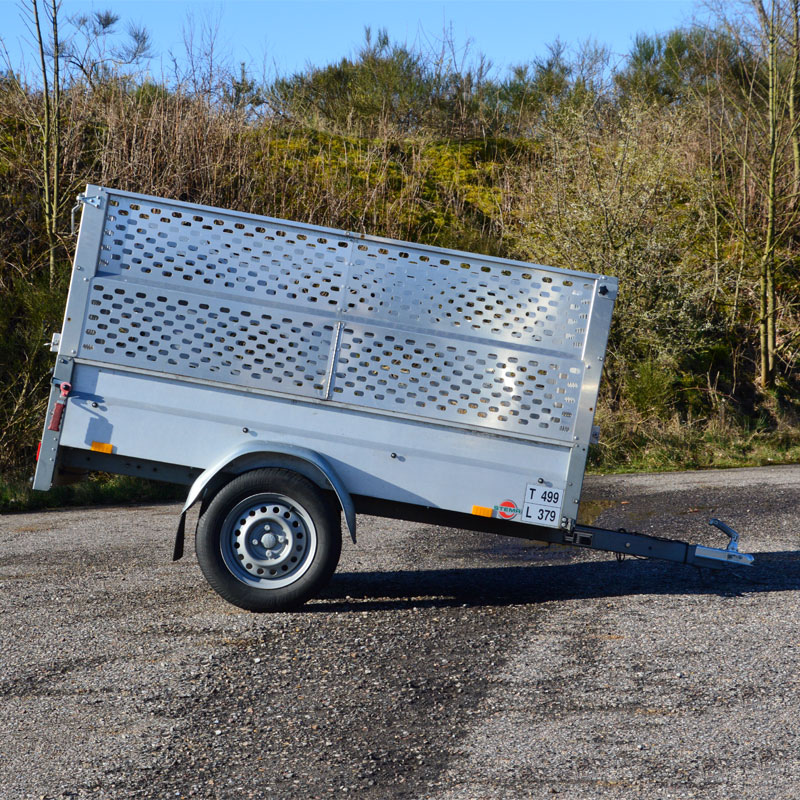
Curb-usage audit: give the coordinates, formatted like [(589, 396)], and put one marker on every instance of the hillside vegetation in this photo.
[(676, 170)]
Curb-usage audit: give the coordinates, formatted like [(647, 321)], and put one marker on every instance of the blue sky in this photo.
[(286, 36)]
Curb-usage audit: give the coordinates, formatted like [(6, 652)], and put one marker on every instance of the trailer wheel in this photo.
[(269, 540)]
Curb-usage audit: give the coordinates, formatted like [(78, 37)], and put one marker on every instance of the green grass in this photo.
[(98, 489), (631, 444)]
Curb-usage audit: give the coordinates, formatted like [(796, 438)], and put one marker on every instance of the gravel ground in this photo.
[(439, 664)]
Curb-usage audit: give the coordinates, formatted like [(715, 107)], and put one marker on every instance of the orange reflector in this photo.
[(102, 447), (482, 511)]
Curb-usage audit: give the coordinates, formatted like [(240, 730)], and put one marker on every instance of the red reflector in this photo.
[(38, 450)]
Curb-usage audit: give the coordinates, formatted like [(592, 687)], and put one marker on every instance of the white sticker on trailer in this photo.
[(543, 505)]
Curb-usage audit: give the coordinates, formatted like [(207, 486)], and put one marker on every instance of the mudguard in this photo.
[(255, 455)]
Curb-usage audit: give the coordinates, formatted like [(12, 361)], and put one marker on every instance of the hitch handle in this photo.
[(733, 545)]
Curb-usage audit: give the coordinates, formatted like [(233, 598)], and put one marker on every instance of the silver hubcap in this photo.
[(268, 541)]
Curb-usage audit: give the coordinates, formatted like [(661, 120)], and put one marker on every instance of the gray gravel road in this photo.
[(439, 664)]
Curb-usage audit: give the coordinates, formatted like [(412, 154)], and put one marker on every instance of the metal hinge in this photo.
[(96, 201), (594, 436), (55, 343)]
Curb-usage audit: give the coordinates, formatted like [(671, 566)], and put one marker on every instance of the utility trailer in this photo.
[(288, 373)]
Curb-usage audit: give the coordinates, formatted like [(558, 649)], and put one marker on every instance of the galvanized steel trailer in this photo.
[(287, 372)]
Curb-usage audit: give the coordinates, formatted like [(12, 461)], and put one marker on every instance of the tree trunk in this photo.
[(55, 194), (48, 200), (767, 317), (794, 100)]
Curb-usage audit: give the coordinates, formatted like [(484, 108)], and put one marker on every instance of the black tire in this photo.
[(269, 540)]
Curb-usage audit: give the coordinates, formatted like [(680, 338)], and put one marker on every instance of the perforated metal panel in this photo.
[(468, 295), (447, 380), (235, 255), (341, 318), (203, 337)]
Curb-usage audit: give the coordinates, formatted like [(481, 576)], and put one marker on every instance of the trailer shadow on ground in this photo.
[(539, 583)]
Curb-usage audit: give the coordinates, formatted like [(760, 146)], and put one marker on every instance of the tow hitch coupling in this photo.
[(713, 557)]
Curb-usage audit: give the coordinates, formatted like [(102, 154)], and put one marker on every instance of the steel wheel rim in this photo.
[(268, 541)]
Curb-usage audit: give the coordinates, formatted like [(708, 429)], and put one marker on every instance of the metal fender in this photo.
[(255, 455)]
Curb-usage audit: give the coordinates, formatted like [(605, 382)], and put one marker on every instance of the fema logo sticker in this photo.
[(508, 509)]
